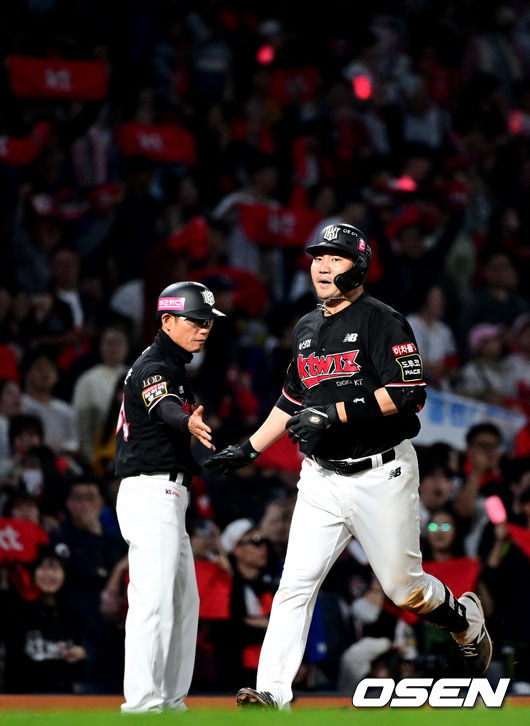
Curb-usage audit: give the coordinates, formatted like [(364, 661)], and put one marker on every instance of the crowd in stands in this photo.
[(143, 143)]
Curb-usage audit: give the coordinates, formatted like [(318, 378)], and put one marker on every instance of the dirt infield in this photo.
[(32, 703)]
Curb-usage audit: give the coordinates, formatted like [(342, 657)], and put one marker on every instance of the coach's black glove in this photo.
[(307, 426), (231, 458)]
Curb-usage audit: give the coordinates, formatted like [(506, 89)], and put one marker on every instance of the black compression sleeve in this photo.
[(362, 407), (171, 413)]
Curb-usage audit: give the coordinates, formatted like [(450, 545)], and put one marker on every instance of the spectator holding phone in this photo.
[(505, 552)]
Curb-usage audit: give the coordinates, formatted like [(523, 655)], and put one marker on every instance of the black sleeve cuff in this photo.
[(287, 406), (169, 411)]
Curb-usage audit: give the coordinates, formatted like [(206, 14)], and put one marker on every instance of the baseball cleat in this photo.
[(477, 654), (250, 697)]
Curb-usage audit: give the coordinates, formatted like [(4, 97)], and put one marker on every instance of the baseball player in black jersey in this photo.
[(350, 399), (156, 422)]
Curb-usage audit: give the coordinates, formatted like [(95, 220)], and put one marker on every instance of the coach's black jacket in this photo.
[(143, 443)]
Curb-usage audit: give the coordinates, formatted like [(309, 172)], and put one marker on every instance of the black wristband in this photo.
[(362, 407), (249, 450)]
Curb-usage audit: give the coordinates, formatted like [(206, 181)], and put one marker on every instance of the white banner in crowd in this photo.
[(447, 417)]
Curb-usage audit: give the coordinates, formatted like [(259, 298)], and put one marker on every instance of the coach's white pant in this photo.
[(161, 625), (380, 507)]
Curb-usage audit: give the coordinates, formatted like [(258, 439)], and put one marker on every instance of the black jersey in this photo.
[(343, 357), (144, 444)]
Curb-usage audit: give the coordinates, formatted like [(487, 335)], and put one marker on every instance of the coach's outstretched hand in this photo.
[(230, 459)]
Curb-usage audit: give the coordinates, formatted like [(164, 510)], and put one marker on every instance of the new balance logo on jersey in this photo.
[(350, 337), (314, 369), (394, 473)]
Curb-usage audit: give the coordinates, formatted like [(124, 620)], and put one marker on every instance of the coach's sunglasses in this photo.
[(199, 322), (443, 527)]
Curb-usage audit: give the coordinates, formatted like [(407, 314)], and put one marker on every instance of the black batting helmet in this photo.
[(349, 241), (188, 299)]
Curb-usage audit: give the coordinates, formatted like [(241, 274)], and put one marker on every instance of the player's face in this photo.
[(190, 333), (324, 270)]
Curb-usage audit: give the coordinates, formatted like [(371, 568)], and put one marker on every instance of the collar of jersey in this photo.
[(165, 343)]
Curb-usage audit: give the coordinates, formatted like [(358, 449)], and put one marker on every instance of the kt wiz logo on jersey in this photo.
[(314, 369)]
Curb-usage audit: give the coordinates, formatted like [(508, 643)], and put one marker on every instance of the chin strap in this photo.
[(322, 305)]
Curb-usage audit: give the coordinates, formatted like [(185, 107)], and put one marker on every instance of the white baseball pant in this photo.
[(161, 625), (380, 507)]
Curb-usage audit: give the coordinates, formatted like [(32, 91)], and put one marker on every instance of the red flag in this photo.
[(162, 142), (192, 238), (215, 590), (459, 574), (76, 80), (281, 455), (9, 367), (277, 226), (521, 537), (21, 151), (250, 294), (20, 540)]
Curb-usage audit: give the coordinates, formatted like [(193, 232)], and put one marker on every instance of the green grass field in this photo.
[(480, 716)]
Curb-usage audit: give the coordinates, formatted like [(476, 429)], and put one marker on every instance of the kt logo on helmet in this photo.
[(330, 233), (315, 369)]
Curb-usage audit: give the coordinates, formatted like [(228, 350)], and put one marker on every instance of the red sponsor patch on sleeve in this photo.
[(404, 349)]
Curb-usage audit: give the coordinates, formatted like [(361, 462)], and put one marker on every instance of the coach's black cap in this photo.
[(188, 299)]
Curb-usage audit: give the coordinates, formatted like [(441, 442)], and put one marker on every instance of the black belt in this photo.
[(347, 468), (172, 476)]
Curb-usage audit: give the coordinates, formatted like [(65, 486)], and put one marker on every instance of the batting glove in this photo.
[(307, 426), (230, 459)]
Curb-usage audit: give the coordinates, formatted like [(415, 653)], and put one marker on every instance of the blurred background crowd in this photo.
[(151, 141)]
